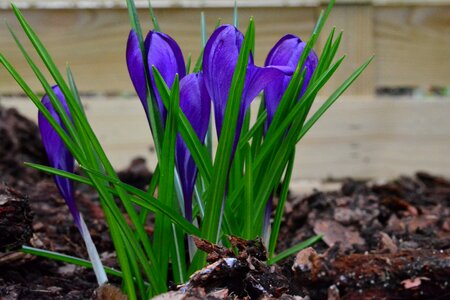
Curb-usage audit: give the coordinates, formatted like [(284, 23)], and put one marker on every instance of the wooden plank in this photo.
[(94, 41), (412, 45), (360, 136), (357, 43), (58, 4)]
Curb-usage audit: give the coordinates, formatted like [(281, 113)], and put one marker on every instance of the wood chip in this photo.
[(334, 232)]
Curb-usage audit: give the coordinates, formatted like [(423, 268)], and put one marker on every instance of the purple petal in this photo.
[(136, 67), (256, 79), (219, 61), (165, 54), (195, 104), (58, 155), (286, 52)]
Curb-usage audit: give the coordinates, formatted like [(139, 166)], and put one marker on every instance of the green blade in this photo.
[(309, 242)]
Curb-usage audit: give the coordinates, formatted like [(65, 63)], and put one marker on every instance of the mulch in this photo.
[(380, 240)]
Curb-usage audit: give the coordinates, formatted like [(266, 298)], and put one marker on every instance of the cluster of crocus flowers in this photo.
[(60, 158), (212, 83)]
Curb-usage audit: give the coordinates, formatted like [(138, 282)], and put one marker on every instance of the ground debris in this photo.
[(242, 276), (137, 174), (406, 273), (108, 292), (334, 232), (402, 229), (15, 219)]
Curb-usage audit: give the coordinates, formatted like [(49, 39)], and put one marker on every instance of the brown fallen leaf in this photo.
[(334, 232)]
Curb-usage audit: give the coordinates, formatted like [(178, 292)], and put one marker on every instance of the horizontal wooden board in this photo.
[(360, 137), (94, 41), (357, 44), (55, 4), (412, 46), (411, 43)]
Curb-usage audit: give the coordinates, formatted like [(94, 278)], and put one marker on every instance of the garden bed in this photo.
[(380, 240)]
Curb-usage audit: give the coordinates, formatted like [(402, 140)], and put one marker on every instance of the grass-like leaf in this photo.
[(288, 252), (163, 231), (140, 197), (280, 207), (210, 225), (66, 259)]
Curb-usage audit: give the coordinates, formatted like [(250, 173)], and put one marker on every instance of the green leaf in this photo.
[(177, 251), (203, 29), (309, 242), (248, 199), (235, 15), (73, 87), (153, 17), (140, 197), (163, 231), (134, 22), (217, 188), (67, 259), (280, 207)]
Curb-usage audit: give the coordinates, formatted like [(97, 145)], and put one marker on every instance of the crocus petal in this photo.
[(195, 104), (257, 79), (58, 155), (60, 158), (286, 52), (219, 62), (165, 54), (136, 67)]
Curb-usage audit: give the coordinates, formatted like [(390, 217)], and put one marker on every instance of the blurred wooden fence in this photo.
[(361, 136), (410, 38)]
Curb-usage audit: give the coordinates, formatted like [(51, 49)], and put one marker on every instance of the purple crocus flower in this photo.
[(60, 158), (58, 155), (286, 52), (195, 104), (162, 52), (165, 54), (219, 62), (136, 68)]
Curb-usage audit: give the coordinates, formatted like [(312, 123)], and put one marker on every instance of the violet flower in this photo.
[(162, 52), (58, 155), (195, 104), (60, 158), (286, 52), (219, 62), (165, 54), (136, 68)]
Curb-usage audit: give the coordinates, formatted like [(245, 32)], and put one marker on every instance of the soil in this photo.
[(380, 241)]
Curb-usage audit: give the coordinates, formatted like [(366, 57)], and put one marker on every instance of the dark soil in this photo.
[(380, 241)]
